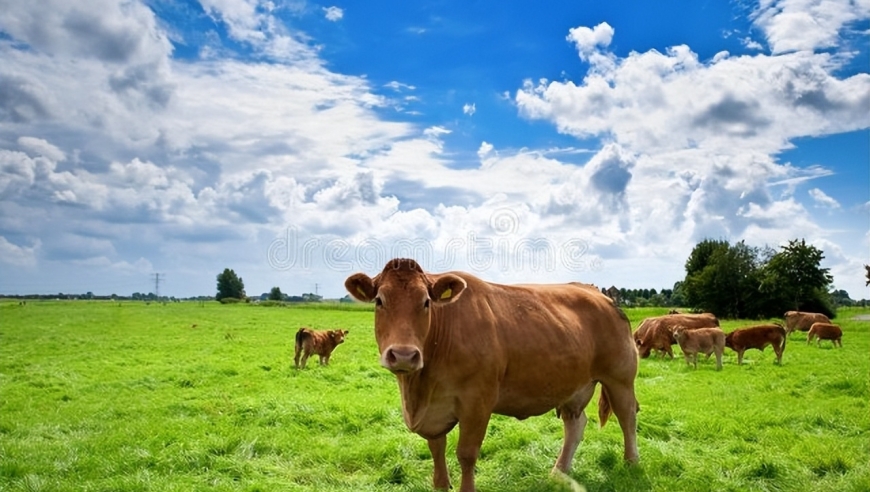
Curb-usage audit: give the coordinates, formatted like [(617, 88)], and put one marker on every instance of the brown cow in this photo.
[(802, 321), (704, 340), (657, 333), (825, 331), (757, 337), (462, 349), (321, 343)]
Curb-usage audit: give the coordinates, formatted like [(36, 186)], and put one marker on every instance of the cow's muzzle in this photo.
[(402, 359)]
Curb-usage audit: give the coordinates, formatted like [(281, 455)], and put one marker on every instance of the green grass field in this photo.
[(101, 396)]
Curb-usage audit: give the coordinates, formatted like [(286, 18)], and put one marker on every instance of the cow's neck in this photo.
[(418, 390)]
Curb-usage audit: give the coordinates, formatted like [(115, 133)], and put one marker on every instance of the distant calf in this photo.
[(704, 340), (802, 321), (825, 331), (757, 337), (321, 343)]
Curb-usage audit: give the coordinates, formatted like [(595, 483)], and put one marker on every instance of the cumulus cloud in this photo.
[(589, 41), (123, 159), (806, 25), (13, 254), (333, 14), (484, 150)]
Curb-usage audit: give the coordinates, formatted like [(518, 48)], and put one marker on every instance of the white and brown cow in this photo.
[(462, 349), (322, 343), (825, 331), (700, 340)]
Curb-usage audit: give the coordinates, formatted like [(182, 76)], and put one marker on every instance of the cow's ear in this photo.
[(360, 286), (447, 288)]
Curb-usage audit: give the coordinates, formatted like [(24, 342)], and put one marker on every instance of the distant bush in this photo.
[(230, 300), (271, 303)]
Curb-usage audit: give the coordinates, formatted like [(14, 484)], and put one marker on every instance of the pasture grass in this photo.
[(103, 396)]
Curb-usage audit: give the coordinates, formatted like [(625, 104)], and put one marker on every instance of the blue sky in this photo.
[(298, 142)]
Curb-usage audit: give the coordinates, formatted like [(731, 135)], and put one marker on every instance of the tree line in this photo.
[(231, 288), (741, 281), (728, 280)]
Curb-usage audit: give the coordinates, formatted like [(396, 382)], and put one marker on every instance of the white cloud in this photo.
[(796, 25), (752, 44), (822, 200), (590, 40), (333, 14), (398, 86), (215, 160), (484, 150), (13, 254)]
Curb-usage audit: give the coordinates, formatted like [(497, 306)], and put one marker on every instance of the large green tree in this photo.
[(739, 281), (229, 285), (796, 276), (275, 294), (723, 279)]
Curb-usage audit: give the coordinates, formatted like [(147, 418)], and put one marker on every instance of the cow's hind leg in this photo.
[(305, 355), (625, 407), (574, 420), (296, 356)]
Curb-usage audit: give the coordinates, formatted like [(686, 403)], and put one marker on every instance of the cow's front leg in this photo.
[(438, 448), (472, 430)]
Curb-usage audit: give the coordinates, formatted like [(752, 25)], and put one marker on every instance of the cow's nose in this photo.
[(402, 358)]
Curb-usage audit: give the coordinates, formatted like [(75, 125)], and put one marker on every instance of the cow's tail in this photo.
[(301, 335), (604, 407)]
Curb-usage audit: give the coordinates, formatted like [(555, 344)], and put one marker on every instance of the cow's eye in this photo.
[(379, 302), (426, 304)]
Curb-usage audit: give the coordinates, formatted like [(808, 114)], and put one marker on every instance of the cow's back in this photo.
[(803, 321), (826, 331), (541, 342)]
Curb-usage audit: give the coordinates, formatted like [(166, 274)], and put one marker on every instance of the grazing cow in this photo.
[(704, 340), (825, 331), (322, 343), (801, 321), (657, 333), (757, 337), (462, 349)]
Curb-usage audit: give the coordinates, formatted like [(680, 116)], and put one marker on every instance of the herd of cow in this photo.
[(462, 349), (700, 333)]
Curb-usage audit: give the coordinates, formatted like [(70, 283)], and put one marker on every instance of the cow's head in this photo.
[(729, 340), (404, 296), (643, 349), (337, 336)]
